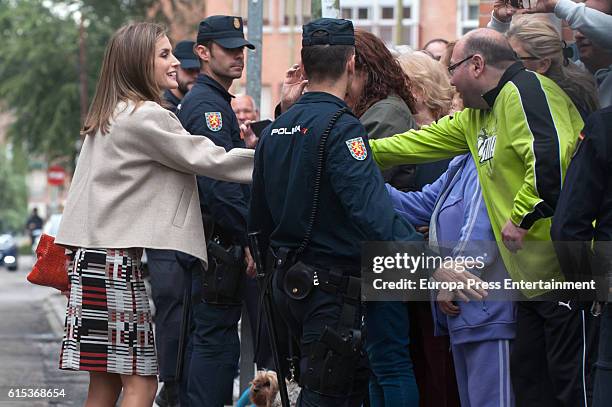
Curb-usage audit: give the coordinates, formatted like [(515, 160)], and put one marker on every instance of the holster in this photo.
[(331, 363), (222, 281), (298, 281), (279, 261)]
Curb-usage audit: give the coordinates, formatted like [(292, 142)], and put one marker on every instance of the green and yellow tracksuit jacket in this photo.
[(521, 145)]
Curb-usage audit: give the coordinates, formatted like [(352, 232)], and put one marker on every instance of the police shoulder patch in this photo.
[(214, 120), (357, 148)]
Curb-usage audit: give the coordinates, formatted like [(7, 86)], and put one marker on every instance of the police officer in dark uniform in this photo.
[(185, 76), (206, 110), (317, 194), (167, 275), (582, 231)]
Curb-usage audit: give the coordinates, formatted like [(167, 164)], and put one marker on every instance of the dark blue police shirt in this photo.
[(354, 204), (171, 102), (206, 111)]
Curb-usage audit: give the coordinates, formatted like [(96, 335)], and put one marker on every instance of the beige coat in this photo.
[(135, 186)]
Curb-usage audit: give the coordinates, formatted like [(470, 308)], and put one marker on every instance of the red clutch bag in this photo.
[(51, 267)]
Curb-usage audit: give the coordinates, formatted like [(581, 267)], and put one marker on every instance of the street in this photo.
[(30, 337)]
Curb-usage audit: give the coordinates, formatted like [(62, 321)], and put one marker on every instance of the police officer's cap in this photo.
[(183, 51), (328, 31), (224, 30)]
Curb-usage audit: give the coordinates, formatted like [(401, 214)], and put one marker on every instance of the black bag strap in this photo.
[(317, 182)]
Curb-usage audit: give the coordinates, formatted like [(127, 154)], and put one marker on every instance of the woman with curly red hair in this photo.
[(381, 97)]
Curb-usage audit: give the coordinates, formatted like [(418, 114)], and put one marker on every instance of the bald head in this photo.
[(244, 107), (490, 44), (478, 63)]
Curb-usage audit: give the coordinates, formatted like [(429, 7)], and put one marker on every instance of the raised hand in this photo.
[(542, 6), (503, 11), (293, 87)]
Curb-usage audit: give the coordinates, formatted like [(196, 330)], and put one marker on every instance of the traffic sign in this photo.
[(56, 175)]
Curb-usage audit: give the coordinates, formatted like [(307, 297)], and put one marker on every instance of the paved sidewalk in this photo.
[(31, 330)]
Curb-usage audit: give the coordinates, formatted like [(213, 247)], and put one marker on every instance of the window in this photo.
[(363, 13), (379, 17), (468, 16), (241, 8), (386, 34), (406, 36), (473, 11), (347, 13), (301, 11), (387, 13)]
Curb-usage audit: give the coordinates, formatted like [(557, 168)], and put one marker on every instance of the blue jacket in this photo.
[(353, 204), (206, 110), (459, 225)]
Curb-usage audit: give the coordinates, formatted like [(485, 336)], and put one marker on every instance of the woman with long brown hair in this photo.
[(134, 187), (380, 96)]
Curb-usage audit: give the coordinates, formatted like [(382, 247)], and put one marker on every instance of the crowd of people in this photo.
[(497, 142)]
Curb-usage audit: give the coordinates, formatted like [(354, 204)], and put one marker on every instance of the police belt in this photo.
[(297, 280), (335, 281)]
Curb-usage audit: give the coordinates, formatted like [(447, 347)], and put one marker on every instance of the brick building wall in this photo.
[(281, 45)]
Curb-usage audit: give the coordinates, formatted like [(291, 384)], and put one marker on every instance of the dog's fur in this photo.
[(264, 390)]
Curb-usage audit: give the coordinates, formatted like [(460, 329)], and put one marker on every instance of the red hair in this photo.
[(385, 76)]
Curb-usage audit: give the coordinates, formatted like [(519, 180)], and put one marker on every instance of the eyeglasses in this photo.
[(528, 58), (451, 69)]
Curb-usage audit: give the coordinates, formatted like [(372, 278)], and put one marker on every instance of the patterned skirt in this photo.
[(108, 319)]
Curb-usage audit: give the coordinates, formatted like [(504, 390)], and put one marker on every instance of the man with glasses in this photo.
[(521, 130)]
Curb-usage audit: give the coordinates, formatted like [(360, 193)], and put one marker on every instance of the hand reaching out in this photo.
[(503, 11), (542, 6), (250, 139), (293, 87)]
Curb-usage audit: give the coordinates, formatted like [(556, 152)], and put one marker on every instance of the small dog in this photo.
[(264, 390)]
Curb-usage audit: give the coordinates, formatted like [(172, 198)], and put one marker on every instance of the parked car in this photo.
[(8, 252)]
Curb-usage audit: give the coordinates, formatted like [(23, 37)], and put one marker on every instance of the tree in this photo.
[(181, 17), (13, 194), (39, 63), (39, 67), (37, 71)]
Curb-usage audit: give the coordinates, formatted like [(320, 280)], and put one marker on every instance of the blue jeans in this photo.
[(392, 383), (602, 393)]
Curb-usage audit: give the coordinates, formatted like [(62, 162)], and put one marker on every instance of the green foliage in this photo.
[(39, 65), (13, 194), (38, 70)]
